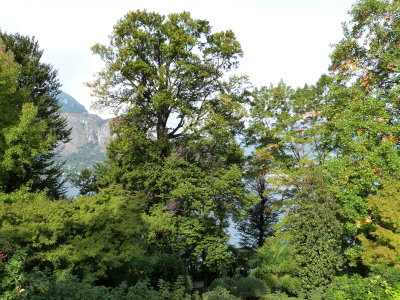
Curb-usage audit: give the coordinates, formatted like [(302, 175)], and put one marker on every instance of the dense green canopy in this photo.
[(315, 201)]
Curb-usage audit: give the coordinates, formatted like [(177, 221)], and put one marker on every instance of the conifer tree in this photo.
[(22, 135), (40, 83)]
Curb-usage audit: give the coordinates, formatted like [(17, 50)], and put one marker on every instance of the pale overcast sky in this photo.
[(281, 39)]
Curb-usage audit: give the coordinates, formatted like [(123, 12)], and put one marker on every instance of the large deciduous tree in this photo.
[(175, 134), (370, 49), (361, 129), (40, 86), (161, 69)]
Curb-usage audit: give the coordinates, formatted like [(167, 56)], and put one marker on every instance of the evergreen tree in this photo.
[(314, 227), (22, 135), (40, 83), (257, 224)]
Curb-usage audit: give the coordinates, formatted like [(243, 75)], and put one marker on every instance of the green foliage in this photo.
[(158, 211), (279, 296), (97, 237), (85, 181), (12, 279), (75, 289), (171, 63), (357, 288), (24, 141), (22, 136), (381, 240), (369, 51), (194, 211), (243, 288), (305, 255), (360, 134), (175, 136), (38, 285), (275, 264), (362, 126), (256, 224), (361, 129), (167, 267), (219, 293), (283, 127), (9, 73), (347, 123), (314, 228), (226, 283), (40, 122), (250, 288)]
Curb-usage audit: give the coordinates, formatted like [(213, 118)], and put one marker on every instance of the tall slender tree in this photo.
[(283, 131), (314, 227), (257, 224)]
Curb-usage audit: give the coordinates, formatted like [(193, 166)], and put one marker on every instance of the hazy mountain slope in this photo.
[(89, 136), (70, 105)]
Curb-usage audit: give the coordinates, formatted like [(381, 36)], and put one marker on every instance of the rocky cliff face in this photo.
[(89, 136), (88, 131)]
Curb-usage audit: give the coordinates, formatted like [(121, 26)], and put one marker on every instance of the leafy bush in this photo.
[(278, 296), (226, 283), (12, 279), (95, 236), (381, 284), (250, 288), (274, 263), (243, 288), (219, 293), (167, 267), (391, 275), (45, 287)]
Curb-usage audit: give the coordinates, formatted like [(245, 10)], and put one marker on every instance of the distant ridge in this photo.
[(70, 105), (89, 136)]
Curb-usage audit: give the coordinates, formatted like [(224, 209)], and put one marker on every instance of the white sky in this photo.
[(281, 39)]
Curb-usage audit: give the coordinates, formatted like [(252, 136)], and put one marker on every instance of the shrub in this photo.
[(243, 288), (376, 286), (167, 267), (278, 296), (226, 283), (250, 288), (219, 293)]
